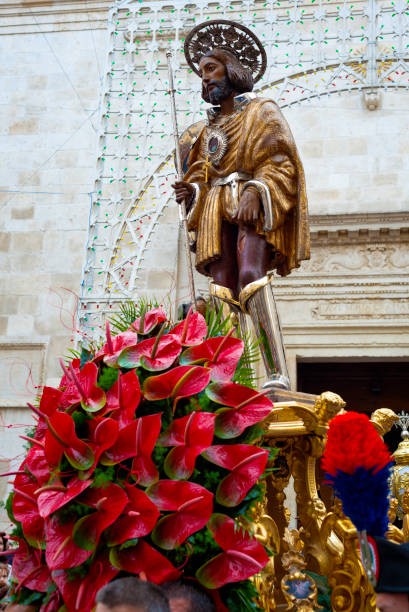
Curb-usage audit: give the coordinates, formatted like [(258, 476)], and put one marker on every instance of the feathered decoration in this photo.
[(357, 464)]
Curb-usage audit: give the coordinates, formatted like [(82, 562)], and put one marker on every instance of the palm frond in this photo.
[(129, 311), (217, 325), (245, 371)]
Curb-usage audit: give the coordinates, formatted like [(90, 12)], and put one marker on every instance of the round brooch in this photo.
[(216, 143)]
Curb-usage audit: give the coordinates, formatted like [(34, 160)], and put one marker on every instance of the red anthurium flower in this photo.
[(137, 440), (192, 506), (190, 435), (146, 559), (152, 354), (115, 345), (147, 323), (61, 438), (179, 382), (29, 568), (82, 388), (109, 502), (220, 354), (25, 508), (54, 602), (192, 330), (243, 555), (246, 463), (49, 403), (55, 495), (36, 463), (123, 398), (79, 592), (61, 550), (138, 519), (249, 408), (103, 434)]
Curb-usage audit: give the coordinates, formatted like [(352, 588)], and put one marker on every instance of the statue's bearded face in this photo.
[(216, 85)]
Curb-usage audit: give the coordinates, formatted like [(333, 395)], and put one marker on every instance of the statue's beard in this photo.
[(222, 89)]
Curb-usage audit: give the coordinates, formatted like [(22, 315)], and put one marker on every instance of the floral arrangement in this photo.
[(143, 461)]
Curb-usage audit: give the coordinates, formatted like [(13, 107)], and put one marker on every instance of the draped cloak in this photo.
[(261, 145)]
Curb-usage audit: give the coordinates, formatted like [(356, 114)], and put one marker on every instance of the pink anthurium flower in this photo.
[(25, 508), (243, 555), (153, 354), (123, 398), (144, 558), (247, 407), (191, 506), (109, 502), (29, 568), (137, 520), (61, 439), (79, 592), (190, 435), (55, 495), (146, 323), (179, 382), (114, 346), (220, 354), (192, 330), (246, 463), (137, 440), (82, 387)]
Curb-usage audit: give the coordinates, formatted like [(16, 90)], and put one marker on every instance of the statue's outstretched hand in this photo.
[(183, 191), (249, 208)]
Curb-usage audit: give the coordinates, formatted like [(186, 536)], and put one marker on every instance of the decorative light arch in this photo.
[(314, 47)]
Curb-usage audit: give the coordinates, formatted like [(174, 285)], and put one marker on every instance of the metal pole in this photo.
[(182, 206)]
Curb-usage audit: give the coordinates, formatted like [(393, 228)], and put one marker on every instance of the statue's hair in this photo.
[(240, 78)]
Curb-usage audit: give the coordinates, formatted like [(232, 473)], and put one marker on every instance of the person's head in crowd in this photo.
[(3, 541), (392, 585), (188, 596), (131, 595)]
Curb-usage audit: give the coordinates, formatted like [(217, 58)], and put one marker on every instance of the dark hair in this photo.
[(240, 78), (130, 591), (198, 599)]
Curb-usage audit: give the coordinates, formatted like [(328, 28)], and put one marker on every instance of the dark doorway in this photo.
[(365, 386)]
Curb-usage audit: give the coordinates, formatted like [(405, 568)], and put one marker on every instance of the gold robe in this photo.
[(261, 145)]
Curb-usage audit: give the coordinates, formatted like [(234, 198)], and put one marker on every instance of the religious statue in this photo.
[(243, 185)]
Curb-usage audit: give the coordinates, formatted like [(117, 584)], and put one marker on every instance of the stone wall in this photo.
[(349, 301)]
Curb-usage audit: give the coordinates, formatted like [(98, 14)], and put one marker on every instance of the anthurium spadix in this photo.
[(192, 330), (243, 407), (114, 346), (82, 387), (190, 504), (243, 555), (221, 355), (246, 463), (189, 436)]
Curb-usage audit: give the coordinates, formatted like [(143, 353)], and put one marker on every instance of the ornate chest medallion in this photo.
[(216, 143)]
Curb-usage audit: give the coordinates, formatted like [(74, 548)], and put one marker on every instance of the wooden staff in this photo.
[(182, 206)]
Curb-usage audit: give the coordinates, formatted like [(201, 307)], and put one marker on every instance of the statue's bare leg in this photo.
[(253, 256), (224, 271), (256, 298)]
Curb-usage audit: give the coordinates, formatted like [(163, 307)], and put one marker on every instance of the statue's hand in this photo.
[(249, 207), (183, 191)]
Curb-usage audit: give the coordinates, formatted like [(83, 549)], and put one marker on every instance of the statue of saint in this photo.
[(244, 183)]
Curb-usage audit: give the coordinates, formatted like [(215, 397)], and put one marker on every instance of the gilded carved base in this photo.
[(326, 541)]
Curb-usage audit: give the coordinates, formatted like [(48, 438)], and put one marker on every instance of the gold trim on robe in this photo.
[(260, 145)]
